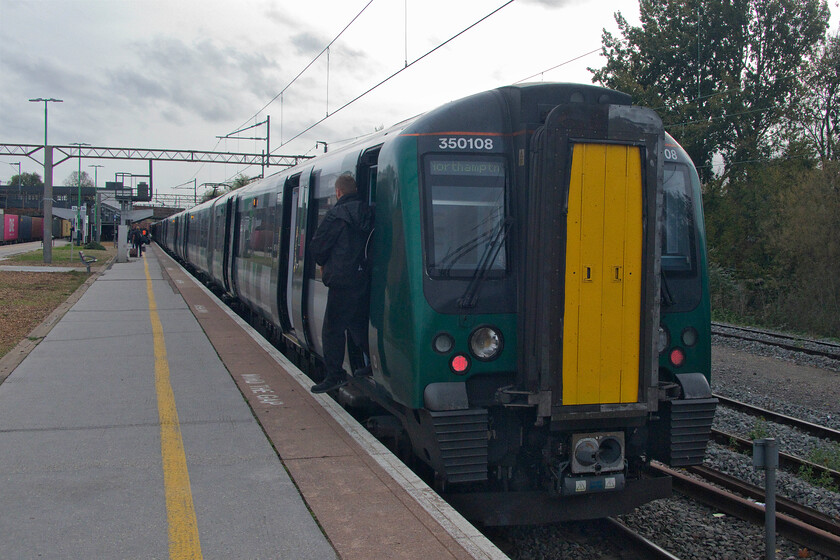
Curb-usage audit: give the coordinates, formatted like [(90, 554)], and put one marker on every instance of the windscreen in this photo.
[(465, 214), (679, 241)]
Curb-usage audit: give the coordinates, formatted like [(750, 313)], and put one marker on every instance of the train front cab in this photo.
[(581, 403), (680, 436)]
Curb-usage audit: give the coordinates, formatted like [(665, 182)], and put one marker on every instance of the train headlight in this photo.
[(664, 339), (443, 343), (689, 337), (485, 343)]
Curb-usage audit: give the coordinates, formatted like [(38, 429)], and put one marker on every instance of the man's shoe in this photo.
[(328, 384), (363, 372)]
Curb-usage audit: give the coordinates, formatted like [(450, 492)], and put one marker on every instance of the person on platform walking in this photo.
[(339, 247), (136, 239)]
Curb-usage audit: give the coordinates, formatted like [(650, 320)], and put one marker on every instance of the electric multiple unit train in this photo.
[(539, 315)]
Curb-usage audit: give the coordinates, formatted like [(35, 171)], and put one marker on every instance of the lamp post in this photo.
[(50, 100), (79, 181), (96, 225), (48, 183)]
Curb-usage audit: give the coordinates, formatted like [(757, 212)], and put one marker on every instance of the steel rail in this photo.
[(814, 429), (796, 530), (642, 546), (783, 505), (775, 334), (789, 462), (831, 350)]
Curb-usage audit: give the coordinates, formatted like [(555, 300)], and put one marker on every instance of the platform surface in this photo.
[(151, 423)]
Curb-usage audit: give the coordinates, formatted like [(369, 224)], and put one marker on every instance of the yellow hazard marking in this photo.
[(180, 512)]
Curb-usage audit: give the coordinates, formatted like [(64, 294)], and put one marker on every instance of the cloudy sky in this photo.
[(176, 74)]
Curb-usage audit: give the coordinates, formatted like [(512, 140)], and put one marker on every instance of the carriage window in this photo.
[(678, 241), (465, 214)]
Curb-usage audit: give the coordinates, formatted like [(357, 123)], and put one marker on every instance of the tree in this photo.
[(815, 118), (26, 180), (72, 180), (239, 182), (218, 189), (214, 192), (722, 73), (807, 242)]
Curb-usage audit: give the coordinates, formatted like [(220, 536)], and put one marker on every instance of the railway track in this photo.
[(791, 463), (796, 523), (793, 343), (808, 427), (638, 544)]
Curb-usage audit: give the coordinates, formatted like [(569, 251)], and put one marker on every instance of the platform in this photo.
[(150, 422)]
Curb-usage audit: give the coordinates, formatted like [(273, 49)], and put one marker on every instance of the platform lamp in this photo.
[(96, 225), (50, 100), (48, 183), (79, 207)]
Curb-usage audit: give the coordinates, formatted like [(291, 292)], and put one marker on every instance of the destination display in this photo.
[(467, 166)]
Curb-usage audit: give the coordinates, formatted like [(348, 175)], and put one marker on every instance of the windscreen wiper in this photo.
[(665, 296), (448, 261), (470, 297)]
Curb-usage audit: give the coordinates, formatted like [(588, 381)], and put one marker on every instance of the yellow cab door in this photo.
[(603, 279)]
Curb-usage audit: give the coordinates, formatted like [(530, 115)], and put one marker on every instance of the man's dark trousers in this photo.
[(347, 310)]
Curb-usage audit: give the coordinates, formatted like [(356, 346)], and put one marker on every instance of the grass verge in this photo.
[(27, 298), (62, 256)]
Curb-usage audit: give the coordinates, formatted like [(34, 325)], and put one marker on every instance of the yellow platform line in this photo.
[(180, 512)]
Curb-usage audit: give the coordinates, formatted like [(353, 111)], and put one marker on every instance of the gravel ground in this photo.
[(783, 381), (778, 380)]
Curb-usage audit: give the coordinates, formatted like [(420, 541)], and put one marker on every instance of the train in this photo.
[(539, 322), (23, 228)]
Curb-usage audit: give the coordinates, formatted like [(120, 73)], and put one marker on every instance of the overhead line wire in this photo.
[(409, 65), (311, 62), (558, 66)]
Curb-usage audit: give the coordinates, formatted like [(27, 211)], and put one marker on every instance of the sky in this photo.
[(176, 74)]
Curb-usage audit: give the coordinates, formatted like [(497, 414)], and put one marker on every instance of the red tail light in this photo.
[(677, 357), (460, 364)]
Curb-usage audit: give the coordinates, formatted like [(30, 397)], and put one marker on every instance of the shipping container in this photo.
[(25, 228), (37, 229), (10, 227)]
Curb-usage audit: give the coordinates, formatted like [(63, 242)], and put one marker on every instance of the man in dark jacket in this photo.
[(136, 240), (339, 247)]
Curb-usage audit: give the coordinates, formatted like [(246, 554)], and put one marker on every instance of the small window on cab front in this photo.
[(465, 213)]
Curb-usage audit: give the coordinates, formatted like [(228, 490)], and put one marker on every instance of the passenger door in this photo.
[(298, 286)]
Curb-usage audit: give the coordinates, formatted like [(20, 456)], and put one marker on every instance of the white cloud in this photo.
[(163, 74)]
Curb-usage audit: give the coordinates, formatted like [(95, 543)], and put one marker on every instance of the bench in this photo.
[(87, 260)]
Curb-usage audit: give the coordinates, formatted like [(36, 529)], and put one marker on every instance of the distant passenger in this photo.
[(339, 247), (136, 239)]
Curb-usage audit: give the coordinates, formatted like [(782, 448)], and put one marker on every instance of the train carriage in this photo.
[(539, 317)]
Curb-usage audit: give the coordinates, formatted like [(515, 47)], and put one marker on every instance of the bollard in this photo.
[(766, 458)]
